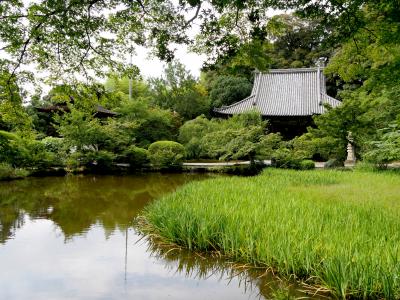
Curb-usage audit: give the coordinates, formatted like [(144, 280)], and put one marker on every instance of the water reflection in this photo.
[(256, 282), (72, 238), (75, 203)]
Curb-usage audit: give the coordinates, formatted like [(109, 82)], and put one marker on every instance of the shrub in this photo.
[(99, 160), (11, 149), (96, 161), (191, 135), (233, 138), (333, 163), (268, 144), (26, 152), (36, 155), (74, 161), (53, 144), (166, 154), (386, 149), (307, 164), (8, 172), (56, 151), (284, 158), (317, 148), (136, 157)]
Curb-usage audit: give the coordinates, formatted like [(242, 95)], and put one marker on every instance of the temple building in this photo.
[(287, 98)]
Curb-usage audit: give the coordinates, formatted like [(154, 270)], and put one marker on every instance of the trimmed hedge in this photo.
[(136, 157), (166, 154)]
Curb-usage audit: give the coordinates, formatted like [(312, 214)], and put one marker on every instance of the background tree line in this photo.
[(360, 40)]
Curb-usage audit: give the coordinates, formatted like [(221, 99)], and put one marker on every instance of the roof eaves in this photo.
[(220, 109), (331, 101)]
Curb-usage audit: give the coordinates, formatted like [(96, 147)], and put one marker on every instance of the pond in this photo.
[(73, 238)]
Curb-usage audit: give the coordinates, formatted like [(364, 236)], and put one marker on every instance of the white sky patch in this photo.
[(153, 67)]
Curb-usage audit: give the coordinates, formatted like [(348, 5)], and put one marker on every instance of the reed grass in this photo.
[(338, 230)]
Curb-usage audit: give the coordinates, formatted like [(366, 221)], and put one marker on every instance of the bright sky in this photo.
[(153, 67)]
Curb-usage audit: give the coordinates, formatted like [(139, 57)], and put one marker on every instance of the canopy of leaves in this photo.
[(234, 138), (372, 58), (70, 37), (180, 92), (13, 117), (226, 90)]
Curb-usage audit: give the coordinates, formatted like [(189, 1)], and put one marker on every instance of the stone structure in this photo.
[(351, 157)]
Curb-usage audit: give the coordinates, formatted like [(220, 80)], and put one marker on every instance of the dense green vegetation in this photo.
[(339, 230), (359, 39), (166, 154), (7, 172)]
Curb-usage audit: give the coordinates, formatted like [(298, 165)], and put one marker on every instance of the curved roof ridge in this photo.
[(292, 70)]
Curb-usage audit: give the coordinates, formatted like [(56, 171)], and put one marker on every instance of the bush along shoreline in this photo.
[(337, 230), (8, 172)]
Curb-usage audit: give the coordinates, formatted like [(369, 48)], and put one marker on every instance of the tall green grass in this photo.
[(340, 230)]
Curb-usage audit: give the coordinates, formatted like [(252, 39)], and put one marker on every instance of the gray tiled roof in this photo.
[(285, 92), (101, 109)]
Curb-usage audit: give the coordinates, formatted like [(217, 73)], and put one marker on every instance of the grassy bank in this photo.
[(341, 230)]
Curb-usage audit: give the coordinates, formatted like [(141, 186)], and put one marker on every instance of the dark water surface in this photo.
[(72, 238)]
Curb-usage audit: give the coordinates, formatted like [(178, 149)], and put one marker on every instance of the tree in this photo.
[(234, 138), (148, 124), (179, 91), (371, 58), (226, 90), (297, 42), (81, 131), (72, 37), (118, 85), (13, 116)]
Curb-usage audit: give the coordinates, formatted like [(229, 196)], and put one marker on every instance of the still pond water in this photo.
[(73, 238)]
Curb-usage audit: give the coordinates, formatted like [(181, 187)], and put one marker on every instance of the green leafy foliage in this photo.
[(12, 149), (307, 164), (166, 154), (386, 149), (180, 92), (226, 90), (234, 138), (371, 59), (120, 86), (147, 123), (269, 144), (136, 157), (8, 172), (81, 130), (27, 152), (99, 160), (318, 148), (13, 116)]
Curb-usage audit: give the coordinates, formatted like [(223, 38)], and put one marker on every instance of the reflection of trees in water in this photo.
[(261, 283), (75, 203), (10, 220)]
